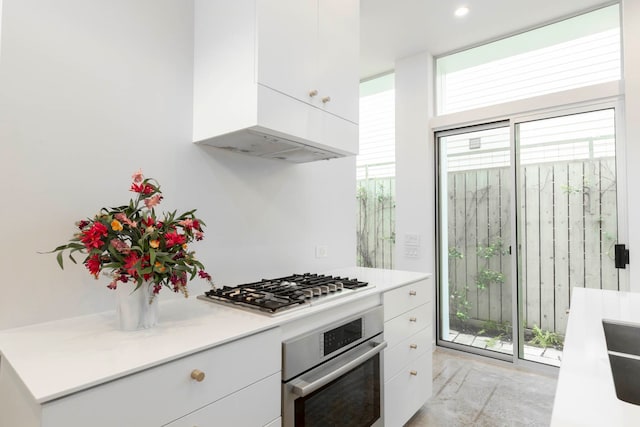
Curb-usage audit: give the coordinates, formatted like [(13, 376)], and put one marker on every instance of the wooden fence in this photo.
[(376, 222), (568, 216)]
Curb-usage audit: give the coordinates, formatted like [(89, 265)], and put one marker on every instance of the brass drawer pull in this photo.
[(414, 373), (413, 346), (413, 319), (413, 293), (197, 375)]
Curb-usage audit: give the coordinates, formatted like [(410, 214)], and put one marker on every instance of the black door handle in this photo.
[(621, 256)]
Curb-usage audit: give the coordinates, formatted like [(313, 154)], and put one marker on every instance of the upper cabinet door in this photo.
[(287, 36), (338, 57)]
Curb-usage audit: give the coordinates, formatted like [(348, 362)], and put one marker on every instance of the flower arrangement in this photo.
[(136, 246)]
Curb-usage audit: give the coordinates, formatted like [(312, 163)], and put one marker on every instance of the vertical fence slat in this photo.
[(461, 236), (591, 194), (609, 223), (493, 209), (505, 234), (531, 244), (483, 240), (576, 226), (547, 309), (561, 245), (471, 243)]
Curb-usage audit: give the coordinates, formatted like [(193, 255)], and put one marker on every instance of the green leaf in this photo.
[(152, 256), (59, 258)]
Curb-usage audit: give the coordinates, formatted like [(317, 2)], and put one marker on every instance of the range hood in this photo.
[(257, 141)]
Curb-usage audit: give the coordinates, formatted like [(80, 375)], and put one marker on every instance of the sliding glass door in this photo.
[(528, 210)]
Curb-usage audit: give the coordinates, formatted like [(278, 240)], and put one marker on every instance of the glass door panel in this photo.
[(475, 289), (567, 222)]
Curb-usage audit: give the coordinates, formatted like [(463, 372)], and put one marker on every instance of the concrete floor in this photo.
[(469, 390)]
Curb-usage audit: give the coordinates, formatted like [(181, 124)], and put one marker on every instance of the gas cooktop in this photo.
[(275, 296)]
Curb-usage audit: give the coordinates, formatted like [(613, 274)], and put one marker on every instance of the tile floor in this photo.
[(549, 356), (470, 390)]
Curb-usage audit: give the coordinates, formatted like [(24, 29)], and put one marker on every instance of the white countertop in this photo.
[(585, 395), (57, 358)]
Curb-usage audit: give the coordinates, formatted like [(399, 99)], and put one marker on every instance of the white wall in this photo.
[(631, 58), (90, 91), (414, 163)]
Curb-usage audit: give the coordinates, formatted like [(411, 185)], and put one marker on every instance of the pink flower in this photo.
[(123, 219), (152, 201), (204, 275), (199, 235), (137, 176), (113, 284), (187, 224), (120, 246)]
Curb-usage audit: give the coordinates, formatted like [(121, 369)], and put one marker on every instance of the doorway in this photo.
[(527, 210)]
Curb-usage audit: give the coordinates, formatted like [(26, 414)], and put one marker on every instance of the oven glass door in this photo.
[(351, 400)]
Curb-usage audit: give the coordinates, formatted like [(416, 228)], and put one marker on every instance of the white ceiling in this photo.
[(391, 29)]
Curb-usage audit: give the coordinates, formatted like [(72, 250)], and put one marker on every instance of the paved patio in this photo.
[(549, 356)]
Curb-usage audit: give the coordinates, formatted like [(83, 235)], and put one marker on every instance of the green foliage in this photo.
[(486, 277), (460, 305), (454, 253), (493, 249), (543, 338)]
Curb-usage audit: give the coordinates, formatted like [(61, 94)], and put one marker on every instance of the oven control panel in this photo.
[(343, 335)]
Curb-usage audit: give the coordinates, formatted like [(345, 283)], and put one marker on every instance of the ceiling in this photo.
[(392, 29)]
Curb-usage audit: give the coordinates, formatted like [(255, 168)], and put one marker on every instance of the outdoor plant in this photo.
[(544, 338), (134, 245)]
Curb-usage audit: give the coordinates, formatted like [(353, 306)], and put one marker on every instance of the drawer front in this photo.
[(407, 324), (256, 405), (408, 350), (164, 393), (405, 393), (405, 298)]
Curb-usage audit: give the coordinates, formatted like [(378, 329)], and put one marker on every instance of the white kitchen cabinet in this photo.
[(407, 364), (307, 50), (274, 75), (233, 376)]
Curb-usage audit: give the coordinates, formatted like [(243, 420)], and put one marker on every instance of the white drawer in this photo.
[(164, 393), (405, 393), (405, 298), (254, 406), (407, 324), (408, 350)]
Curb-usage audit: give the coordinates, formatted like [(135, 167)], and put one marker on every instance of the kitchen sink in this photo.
[(623, 348)]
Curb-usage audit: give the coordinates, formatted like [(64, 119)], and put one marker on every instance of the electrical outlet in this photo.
[(322, 251), (411, 252)]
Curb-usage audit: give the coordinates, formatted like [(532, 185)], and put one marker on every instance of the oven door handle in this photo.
[(308, 388)]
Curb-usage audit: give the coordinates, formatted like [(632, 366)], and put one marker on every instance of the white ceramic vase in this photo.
[(133, 309)]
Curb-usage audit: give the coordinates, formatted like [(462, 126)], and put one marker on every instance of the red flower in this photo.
[(91, 237), (204, 275), (93, 264), (196, 225), (129, 264), (173, 238), (145, 189)]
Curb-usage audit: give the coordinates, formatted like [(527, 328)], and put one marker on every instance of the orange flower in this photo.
[(155, 243), (184, 246), (160, 267), (116, 225)]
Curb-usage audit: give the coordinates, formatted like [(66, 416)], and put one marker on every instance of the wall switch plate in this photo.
[(322, 251), (412, 240)]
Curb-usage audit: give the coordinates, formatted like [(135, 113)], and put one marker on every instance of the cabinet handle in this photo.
[(326, 99), (414, 373), (197, 375), (413, 346), (413, 319), (412, 293), (313, 93)]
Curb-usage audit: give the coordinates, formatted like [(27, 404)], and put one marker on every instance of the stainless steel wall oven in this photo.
[(333, 376)]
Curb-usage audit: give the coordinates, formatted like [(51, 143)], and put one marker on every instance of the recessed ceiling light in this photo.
[(461, 11)]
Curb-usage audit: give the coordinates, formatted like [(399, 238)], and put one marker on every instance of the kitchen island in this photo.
[(45, 365), (585, 395)]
